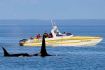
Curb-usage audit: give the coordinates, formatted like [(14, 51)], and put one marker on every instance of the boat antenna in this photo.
[(53, 23)]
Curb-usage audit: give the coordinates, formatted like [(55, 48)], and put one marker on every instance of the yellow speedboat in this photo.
[(56, 38)]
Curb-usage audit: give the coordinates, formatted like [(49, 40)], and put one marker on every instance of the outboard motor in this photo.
[(21, 42)]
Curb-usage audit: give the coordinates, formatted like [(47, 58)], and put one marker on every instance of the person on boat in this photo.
[(64, 32), (38, 36), (68, 34), (57, 34), (50, 35), (46, 35), (31, 38)]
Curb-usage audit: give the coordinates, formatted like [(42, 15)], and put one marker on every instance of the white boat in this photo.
[(57, 38)]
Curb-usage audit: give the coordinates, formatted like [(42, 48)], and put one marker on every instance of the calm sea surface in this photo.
[(67, 58)]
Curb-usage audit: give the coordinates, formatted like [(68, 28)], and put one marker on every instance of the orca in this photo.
[(42, 52), (6, 54)]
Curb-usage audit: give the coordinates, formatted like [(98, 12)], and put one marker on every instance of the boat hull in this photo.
[(77, 41)]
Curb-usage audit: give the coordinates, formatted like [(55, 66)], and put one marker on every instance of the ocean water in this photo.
[(67, 58)]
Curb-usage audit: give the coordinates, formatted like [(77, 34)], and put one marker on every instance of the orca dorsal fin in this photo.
[(5, 52), (43, 51)]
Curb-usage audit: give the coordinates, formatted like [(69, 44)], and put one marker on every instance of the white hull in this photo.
[(77, 41)]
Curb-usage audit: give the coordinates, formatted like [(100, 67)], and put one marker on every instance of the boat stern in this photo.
[(21, 42)]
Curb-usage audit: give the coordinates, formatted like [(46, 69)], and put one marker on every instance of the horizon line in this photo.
[(50, 19)]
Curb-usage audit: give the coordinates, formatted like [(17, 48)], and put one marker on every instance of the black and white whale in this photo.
[(6, 54), (42, 52)]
